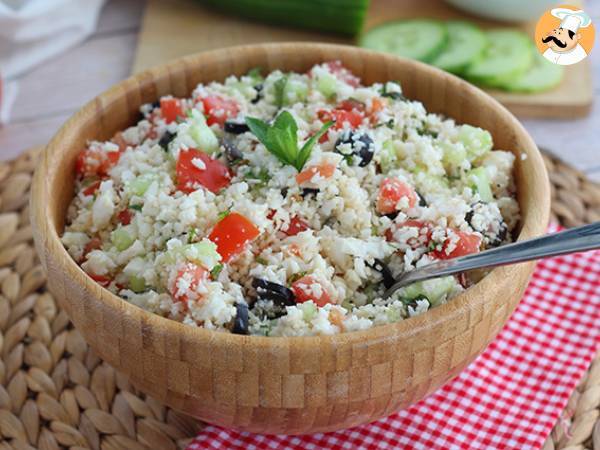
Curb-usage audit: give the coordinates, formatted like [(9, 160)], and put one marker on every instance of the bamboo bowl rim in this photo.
[(47, 225)]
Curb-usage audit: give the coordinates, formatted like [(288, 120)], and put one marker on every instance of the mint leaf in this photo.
[(255, 74), (280, 90), (259, 128), (308, 145)]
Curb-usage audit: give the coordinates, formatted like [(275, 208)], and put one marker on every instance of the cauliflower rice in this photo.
[(196, 215)]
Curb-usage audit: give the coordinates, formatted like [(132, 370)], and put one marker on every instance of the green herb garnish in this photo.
[(135, 207), (281, 138), (280, 90), (255, 74), (263, 177), (192, 235), (295, 277), (393, 95), (223, 214), (214, 273), (262, 261)]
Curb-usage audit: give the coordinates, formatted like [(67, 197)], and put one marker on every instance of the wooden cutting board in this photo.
[(174, 28)]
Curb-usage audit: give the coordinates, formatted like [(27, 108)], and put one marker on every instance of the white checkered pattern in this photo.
[(508, 398)]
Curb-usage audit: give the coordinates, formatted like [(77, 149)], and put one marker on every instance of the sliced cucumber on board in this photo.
[(541, 76), (507, 57), (337, 16), (465, 43), (415, 39)]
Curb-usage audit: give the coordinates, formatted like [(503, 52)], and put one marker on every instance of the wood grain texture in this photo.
[(177, 28), (284, 385)]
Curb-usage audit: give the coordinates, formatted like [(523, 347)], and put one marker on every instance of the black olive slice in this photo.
[(166, 139), (240, 323), (258, 88), (361, 146), (273, 291), (232, 152), (236, 127), (309, 191), (385, 272)]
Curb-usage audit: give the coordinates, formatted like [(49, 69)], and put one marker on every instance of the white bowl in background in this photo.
[(506, 10)]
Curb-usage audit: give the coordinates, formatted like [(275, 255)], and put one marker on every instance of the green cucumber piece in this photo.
[(477, 141), (435, 289), (541, 76), (333, 16), (465, 43), (416, 39), (202, 134), (507, 56), (479, 180), (121, 239)]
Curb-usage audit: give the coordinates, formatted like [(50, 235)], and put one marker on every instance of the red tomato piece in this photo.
[(218, 109), (93, 244), (214, 176), (425, 231), (391, 192), (185, 284), (297, 225), (309, 288), (92, 188), (351, 104), (119, 140), (341, 117), (170, 109), (342, 73), (467, 243), (324, 170), (102, 280), (95, 162), (125, 217), (231, 234)]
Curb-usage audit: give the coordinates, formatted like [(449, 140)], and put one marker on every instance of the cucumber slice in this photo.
[(507, 56), (417, 39), (465, 43), (541, 76), (480, 181)]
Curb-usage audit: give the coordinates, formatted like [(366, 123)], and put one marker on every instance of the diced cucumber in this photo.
[(541, 76), (387, 156), (465, 43), (309, 311), (139, 185), (434, 183), (121, 239), (506, 57), (203, 253), (420, 39), (479, 180), (435, 290), (454, 154), (201, 133), (333, 16), (137, 284), (295, 91), (477, 141), (327, 84)]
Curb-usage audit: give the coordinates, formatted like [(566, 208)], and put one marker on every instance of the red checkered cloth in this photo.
[(510, 397)]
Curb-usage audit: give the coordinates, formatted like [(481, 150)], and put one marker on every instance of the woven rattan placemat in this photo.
[(56, 393)]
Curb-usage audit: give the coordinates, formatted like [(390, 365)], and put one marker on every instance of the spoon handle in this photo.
[(573, 240)]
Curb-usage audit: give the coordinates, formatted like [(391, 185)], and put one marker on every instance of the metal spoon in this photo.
[(573, 240)]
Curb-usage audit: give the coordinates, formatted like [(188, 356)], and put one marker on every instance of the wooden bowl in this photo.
[(284, 385)]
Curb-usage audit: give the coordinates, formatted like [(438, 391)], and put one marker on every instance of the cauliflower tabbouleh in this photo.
[(284, 205)]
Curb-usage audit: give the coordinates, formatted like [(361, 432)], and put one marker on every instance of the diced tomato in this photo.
[(91, 162), (467, 243), (170, 109), (218, 109), (425, 231), (341, 117), (391, 192), (324, 171), (125, 217), (231, 234), (102, 280), (351, 104), (309, 288), (93, 244), (191, 276), (92, 188), (214, 176), (297, 225), (377, 104), (342, 73)]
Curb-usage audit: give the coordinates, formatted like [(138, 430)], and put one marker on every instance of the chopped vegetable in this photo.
[(125, 217), (391, 192), (385, 272), (296, 225), (281, 139), (137, 284), (275, 292), (480, 181), (231, 234), (356, 144), (204, 253), (121, 239), (201, 133), (322, 171), (187, 280), (195, 168), (166, 139), (234, 127), (308, 288), (171, 108), (240, 323), (214, 273), (465, 244), (93, 161), (218, 109)]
